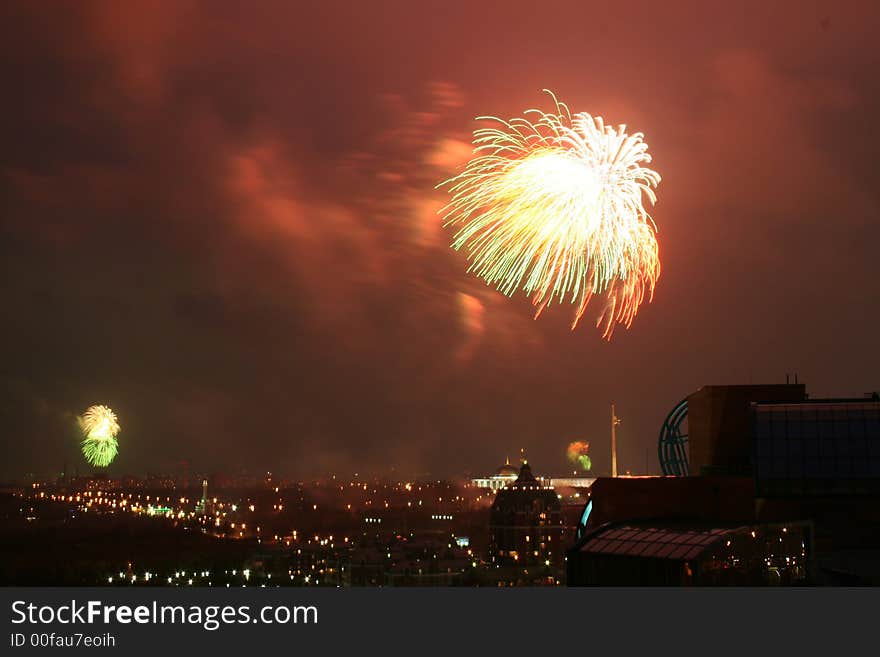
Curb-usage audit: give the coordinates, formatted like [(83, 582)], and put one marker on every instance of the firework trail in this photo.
[(577, 454), (99, 427), (553, 204)]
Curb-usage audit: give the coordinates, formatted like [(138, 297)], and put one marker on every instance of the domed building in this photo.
[(507, 471), (504, 475), (526, 525)]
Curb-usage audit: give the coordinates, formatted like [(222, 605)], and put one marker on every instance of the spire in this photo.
[(525, 476)]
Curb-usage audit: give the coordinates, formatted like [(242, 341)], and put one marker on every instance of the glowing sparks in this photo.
[(555, 207), (577, 454), (99, 427), (100, 452)]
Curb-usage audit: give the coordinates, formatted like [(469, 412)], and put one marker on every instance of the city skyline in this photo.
[(225, 228), (193, 473)]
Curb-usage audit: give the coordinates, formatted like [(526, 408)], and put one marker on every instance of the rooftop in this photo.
[(660, 543)]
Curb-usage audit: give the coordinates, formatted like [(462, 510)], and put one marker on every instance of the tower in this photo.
[(202, 506), (614, 422)]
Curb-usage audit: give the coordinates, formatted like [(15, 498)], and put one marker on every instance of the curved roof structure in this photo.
[(507, 470)]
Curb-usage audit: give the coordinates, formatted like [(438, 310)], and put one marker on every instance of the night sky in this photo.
[(222, 223)]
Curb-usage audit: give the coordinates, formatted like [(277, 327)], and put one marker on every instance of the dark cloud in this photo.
[(223, 223)]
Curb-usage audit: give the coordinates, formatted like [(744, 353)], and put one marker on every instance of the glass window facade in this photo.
[(817, 447)]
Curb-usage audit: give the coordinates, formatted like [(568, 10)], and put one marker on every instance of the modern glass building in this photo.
[(764, 462), (816, 447)]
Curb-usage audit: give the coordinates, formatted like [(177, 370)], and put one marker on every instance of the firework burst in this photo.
[(577, 454), (553, 204), (99, 427)]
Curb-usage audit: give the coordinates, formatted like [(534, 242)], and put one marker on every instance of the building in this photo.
[(504, 475), (820, 459), (567, 482), (766, 462), (719, 424), (507, 474), (526, 528), (202, 504)]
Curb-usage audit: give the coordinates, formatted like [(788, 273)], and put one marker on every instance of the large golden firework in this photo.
[(554, 204)]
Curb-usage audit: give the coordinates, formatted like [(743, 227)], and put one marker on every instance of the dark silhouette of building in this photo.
[(525, 524), (719, 424), (767, 459)]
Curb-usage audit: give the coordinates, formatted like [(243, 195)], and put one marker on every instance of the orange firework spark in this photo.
[(577, 452)]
